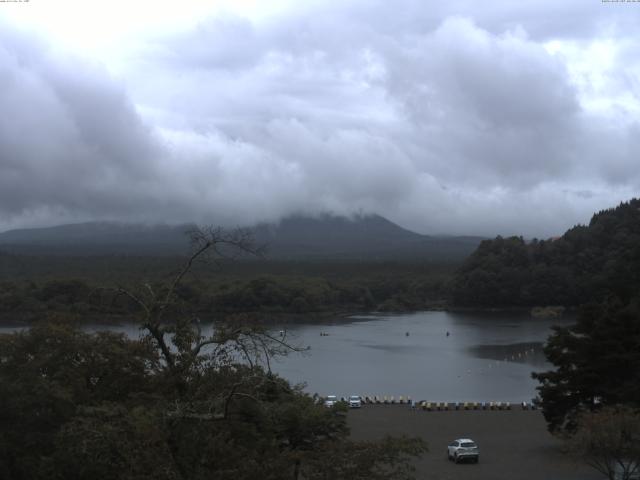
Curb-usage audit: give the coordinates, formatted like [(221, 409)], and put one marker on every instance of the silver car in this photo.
[(463, 449), (355, 401)]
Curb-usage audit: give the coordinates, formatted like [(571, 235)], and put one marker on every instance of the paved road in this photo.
[(514, 444)]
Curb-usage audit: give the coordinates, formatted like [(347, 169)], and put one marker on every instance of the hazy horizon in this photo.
[(354, 216)]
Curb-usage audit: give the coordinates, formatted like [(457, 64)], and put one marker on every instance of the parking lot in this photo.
[(514, 444)]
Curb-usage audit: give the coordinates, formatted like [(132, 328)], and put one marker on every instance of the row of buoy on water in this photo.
[(498, 363), (516, 356)]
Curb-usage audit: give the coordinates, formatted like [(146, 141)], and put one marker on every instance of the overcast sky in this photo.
[(462, 117)]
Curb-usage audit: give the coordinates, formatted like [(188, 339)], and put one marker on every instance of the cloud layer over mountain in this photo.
[(447, 117)]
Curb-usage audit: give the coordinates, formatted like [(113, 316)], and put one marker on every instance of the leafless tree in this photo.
[(178, 335)]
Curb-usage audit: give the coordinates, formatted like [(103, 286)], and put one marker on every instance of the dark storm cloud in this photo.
[(451, 118), (70, 138)]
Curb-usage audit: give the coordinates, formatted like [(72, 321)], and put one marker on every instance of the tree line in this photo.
[(398, 290), (586, 262)]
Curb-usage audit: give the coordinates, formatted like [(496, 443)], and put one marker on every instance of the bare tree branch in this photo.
[(182, 349)]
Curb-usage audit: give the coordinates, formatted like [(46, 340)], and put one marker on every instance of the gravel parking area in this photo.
[(514, 444)]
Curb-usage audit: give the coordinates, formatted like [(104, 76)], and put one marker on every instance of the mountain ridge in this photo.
[(296, 237)]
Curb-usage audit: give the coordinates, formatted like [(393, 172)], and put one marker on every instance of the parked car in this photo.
[(463, 449), (355, 401), (330, 401)]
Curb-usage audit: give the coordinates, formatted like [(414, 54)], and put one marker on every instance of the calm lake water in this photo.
[(486, 357)]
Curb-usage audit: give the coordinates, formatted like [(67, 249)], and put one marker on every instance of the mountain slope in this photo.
[(325, 237), (97, 238)]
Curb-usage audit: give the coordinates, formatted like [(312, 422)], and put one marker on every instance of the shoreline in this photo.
[(24, 319)]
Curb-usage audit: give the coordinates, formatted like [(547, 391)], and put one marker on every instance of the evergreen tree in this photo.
[(596, 363), (586, 263)]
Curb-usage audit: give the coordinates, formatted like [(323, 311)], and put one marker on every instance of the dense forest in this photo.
[(585, 263), (595, 374), (86, 286), (323, 265)]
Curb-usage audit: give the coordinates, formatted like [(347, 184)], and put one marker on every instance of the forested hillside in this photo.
[(586, 263), (598, 267), (31, 287)]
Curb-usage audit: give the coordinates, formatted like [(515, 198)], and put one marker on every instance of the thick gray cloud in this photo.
[(70, 138), (448, 118)]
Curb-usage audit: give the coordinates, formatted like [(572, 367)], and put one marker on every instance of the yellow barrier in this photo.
[(442, 406)]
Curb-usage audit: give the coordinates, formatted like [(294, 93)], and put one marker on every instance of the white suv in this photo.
[(463, 449), (355, 401), (330, 401)]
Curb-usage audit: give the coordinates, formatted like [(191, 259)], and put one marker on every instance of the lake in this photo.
[(486, 357)]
